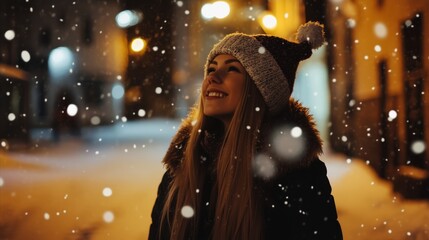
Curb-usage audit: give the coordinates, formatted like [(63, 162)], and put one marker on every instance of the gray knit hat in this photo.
[(271, 61)]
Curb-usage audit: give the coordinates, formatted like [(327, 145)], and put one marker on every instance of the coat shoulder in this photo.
[(293, 135)]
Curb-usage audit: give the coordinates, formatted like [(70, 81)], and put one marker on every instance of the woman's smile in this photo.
[(215, 94)]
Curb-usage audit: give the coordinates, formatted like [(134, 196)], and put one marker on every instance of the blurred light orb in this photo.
[(141, 113), (95, 120), (158, 90), (108, 216), (218, 9), (60, 61), (107, 192), (296, 132), (118, 91), (418, 147), (1, 182), (4, 144), (206, 11), (72, 110), (187, 211), (377, 48), (128, 18), (221, 9), (286, 144), (392, 115), (408, 23), (269, 21), (351, 23), (11, 117), (25, 56), (9, 35), (380, 30), (263, 166), (138, 44)]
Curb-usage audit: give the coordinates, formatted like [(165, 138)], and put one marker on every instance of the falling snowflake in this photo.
[(108, 216), (187, 211), (264, 166), (107, 192)]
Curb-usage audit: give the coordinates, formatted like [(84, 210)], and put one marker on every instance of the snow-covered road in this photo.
[(103, 187)]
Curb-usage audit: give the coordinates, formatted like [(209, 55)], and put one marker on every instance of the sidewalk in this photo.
[(367, 207)]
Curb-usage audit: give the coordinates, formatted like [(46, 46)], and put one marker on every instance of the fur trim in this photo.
[(174, 156), (294, 115)]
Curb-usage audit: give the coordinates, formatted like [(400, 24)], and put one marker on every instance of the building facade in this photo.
[(74, 59), (379, 64)]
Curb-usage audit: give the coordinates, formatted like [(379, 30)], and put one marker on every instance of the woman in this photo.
[(244, 164)]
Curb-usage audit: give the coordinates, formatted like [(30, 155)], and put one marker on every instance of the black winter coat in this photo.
[(297, 204)]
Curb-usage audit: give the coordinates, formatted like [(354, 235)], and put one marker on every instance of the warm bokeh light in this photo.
[(138, 45), (206, 11), (269, 21), (221, 9), (218, 9)]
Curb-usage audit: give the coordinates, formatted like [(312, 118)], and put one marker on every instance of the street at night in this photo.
[(92, 93), (104, 187)]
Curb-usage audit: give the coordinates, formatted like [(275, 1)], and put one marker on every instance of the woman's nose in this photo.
[(214, 78)]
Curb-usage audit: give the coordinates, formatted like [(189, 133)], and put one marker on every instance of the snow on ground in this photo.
[(368, 208), (104, 185)]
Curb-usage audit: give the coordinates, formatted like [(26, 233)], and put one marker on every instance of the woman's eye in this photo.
[(209, 70), (234, 69)]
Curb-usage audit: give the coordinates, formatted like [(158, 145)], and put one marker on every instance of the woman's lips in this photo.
[(216, 94)]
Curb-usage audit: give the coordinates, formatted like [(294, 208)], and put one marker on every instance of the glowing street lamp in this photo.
[(218, 9)]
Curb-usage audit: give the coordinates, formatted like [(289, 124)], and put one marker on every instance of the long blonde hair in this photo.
[(237, 213)]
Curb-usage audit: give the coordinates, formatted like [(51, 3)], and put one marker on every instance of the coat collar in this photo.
[(295, 115)]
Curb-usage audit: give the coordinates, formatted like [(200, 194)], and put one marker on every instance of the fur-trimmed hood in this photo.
[(292, 132)]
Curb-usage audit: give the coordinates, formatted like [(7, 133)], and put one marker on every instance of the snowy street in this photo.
[(104, 186)]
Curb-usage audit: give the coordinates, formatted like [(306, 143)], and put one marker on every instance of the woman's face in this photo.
[(223, 87)]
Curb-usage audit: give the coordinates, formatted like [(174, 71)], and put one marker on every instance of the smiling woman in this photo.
[(223, 87), (245, 163)]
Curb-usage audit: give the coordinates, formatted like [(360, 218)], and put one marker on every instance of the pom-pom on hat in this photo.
[(271, 61)]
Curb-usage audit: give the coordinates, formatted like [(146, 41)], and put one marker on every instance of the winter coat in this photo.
[(297, 203)]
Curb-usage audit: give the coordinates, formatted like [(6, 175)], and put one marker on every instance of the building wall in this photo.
[(99, 49), (359, 125)]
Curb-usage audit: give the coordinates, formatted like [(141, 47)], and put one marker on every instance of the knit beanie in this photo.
[(271, 61)]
